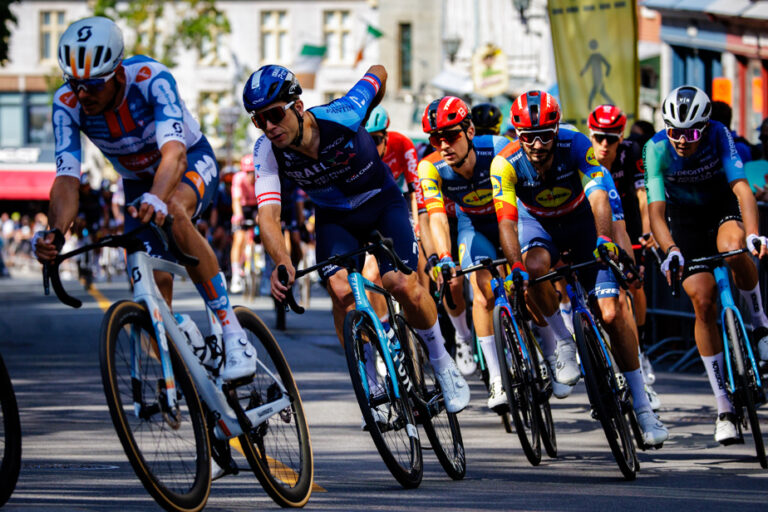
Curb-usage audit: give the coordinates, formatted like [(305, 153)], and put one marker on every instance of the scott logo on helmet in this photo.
[(84, 33)]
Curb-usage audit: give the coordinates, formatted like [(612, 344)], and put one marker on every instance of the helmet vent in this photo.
[(65, 57), (81, 57), (534, 110), (97, 57), (107, 54)]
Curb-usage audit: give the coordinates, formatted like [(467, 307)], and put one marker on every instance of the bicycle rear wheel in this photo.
[(279, 449), (10, 437), (442, 427), (746, 382), (602, 390), (516, 378), (396, 437), (543, 390), (168, 447)]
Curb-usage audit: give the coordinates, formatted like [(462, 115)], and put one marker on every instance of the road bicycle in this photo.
[(744, 385), (253, 262), (408, 393), (608, 392), (523, 372), (172, 413), (10, 437)]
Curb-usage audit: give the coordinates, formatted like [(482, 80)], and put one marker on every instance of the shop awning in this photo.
[(26, 182)]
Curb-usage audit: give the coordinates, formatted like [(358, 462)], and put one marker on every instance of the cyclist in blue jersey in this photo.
[(552, 172), (327, 152), (699, 203), (460, 169), (131, 110)]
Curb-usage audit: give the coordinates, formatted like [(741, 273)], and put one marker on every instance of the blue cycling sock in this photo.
[(214, 292), (637, 387)]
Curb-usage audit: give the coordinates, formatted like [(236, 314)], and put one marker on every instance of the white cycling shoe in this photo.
[(455, 388), (645, 366), (653, 397), (236, 285), (567, 370), (240, 358), (379, 415), (465, 360), (654, 431), (559, 389), (725, 428), (497, 397), (762, 347)]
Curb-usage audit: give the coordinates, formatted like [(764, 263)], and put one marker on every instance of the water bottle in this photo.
[(194, 337)]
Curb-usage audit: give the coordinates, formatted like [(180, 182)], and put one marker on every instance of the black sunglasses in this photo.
[(612, 138), (274, 115)]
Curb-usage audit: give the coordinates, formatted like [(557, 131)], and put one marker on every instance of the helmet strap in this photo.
[(299, 136)]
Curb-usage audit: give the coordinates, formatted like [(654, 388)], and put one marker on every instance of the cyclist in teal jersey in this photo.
[(699, 204)]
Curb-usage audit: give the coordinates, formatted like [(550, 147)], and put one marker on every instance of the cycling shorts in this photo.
[(576, 234), (338, 232), (477, 238), (249, 213), (694, 229), (205, 193)]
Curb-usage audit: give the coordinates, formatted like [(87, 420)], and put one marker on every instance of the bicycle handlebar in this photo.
[(282, 276)]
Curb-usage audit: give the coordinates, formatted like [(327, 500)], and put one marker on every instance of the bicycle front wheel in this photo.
[(279, 449), (442, 427), (603, 390), (746, 382), (543, 390), (168, 447), (10, 437), (393, 428)]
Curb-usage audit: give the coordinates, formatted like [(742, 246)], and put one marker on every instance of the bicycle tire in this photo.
[(517, 385), (601, 389), (402, 456), (543, 393), (278, 450), (746, 383), (180, 484), (442, 427), (10, 437)]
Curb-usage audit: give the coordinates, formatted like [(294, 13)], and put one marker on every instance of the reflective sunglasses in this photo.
[(689, 134), (378, 139), (274, 115), (599, 137), (89, 85), (545, 136), (451, 136)]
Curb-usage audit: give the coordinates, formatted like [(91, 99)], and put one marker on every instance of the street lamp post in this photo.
[(451, 45)]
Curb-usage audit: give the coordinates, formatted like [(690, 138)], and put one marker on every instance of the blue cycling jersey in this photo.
[(699, 179), (617, 211), (348, 170)]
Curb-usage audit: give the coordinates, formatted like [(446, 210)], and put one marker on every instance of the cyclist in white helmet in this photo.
[(131, 110)]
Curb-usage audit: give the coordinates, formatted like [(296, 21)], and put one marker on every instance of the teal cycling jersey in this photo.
[(696, 180)]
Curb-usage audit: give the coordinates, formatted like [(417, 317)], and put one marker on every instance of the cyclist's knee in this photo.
[(537, 265), (340, 292), (704, 305), (405, 288), (609, 310)]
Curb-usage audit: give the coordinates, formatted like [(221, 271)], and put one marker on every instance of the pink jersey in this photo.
[(243, 191)]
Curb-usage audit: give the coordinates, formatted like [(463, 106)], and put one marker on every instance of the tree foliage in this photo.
[(6, 19)]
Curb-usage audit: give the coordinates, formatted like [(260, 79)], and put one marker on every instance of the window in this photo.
[(338, 37), (25, 120), (406, 57), (274, 36), (51, 27)]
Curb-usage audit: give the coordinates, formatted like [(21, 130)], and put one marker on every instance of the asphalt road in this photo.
[(72, 459)]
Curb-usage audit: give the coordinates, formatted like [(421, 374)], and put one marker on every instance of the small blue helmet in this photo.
[(378, 120), (269, 84)]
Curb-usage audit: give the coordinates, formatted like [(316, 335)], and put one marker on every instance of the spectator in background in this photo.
[(757, 170), (721, 111), (641, 132)]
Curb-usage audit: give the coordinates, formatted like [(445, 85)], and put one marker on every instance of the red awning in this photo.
[(22, 183)]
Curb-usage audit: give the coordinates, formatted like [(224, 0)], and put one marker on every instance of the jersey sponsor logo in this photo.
[(163, 93), (430, 188), (462, 252), (143, 74), (478, 197), (139, 161), (62, 130), (591, 160), (69, 99), (206, 167), (552, 198), (197, 180)]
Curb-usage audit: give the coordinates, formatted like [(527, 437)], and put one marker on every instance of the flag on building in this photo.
[(371, 34), (310, 59), (595, 48)]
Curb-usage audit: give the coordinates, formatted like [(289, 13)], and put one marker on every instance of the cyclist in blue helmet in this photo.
[(327, 152)]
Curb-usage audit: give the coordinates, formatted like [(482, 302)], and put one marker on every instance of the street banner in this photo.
[(595, 45)]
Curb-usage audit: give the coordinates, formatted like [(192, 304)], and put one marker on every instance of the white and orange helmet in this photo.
[(90, 48)]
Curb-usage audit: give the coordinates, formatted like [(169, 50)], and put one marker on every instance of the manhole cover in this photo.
[(69, 467)]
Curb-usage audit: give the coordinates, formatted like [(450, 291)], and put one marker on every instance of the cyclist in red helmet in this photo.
[(552, 176)]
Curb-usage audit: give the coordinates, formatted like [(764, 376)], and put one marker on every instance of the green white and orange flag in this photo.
[(371, 34), (595, 43)]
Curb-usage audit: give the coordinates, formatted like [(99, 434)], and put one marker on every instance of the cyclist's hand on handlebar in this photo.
[(673, 253), (47, 244), (610, 245), (432, 269), (279, 289), (647, 241), (446, 262), (149, 204), (758, 245), (518, 269)]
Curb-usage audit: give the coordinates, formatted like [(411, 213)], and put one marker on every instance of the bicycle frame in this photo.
[(578, 306), (140, 267), (722, 277)]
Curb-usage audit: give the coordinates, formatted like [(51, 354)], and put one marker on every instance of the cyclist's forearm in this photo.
[(425, 234), (748, 206), (441, 233), (173, 163), (622, 237), (65, 196), (642, 201), (272, 234), (510, 243), (659, 228), (601, 210)]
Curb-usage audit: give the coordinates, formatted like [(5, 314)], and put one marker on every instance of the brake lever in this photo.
[(289, 301)]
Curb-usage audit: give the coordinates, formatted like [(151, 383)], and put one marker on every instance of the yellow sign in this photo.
[(596, 57), (489, 71)]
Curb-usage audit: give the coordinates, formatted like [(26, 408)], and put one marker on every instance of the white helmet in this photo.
[(90, 48), (686, 107)]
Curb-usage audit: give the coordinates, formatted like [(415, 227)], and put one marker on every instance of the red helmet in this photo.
[(607, 118), (443, 113), (533, 110), (246, 163)]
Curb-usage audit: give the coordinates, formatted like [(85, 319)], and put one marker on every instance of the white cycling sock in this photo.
[(488, 344), (435, 342), (566, 311), (558, 327), (755, 305), (459, 323), (716, 373), (637, 387)]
